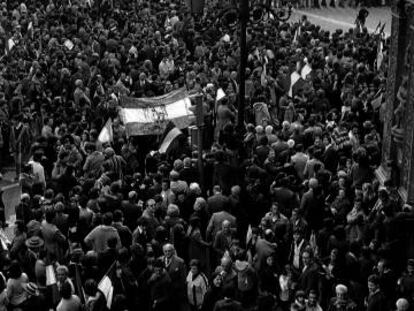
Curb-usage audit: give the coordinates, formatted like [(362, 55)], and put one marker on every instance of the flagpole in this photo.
[(200, 127)]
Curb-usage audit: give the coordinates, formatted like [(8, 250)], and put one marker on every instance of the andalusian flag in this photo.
[(107, 133)]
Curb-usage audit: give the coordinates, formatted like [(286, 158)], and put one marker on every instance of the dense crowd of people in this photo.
[(288, 214)]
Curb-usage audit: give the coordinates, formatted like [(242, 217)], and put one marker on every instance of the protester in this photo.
[(288, 216)]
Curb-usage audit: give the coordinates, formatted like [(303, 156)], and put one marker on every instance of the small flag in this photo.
[(78, 285), (107, 289), (220, 94), (30, 30), (51, 285), (172, 132), (297, 35), (107, 134), (69, 44), (9, 46), (294, 77), (249, 234), (306, 70), (376, 103)]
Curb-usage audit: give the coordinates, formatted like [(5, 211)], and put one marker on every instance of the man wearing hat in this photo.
[(34, 243), (35, 300)]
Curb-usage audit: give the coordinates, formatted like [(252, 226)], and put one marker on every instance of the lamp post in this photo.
[(244, 18), (253, 13)]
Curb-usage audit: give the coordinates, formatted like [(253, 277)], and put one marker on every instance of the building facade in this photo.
[(398, 113)]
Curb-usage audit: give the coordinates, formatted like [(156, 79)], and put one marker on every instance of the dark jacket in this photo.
[(376, 302), (228, 304), (160, 292)]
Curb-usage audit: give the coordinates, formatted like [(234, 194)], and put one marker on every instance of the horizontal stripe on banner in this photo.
[(142, 129), (156, 114), (131, 102)]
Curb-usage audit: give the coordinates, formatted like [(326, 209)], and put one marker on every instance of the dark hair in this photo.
[(66, 290), (20, 225), (118, 215), (90, 287), (107, 219), (15, 271), (195, 263), (313, 292), (50, 215)]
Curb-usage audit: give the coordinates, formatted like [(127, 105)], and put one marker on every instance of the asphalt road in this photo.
[(343, 18)]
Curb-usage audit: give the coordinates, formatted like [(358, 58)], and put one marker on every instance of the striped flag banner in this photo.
[(51, 284), (107, 134), (172, 132), (106, 286), (150, 116)]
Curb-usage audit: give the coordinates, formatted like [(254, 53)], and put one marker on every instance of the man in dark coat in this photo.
[(376, 300), (159, 287), (176, 270), (228, 303), (124, 233), (309, 278), (217, 201)]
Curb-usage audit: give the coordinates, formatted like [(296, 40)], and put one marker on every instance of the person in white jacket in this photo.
[(197, 285)]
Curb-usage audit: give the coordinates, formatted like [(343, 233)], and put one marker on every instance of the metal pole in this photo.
[(200, 127), (244, 18)]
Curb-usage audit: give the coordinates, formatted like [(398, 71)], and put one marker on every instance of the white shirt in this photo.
[(38, 172)]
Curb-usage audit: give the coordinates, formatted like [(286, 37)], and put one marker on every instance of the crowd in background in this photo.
[(288, 215)]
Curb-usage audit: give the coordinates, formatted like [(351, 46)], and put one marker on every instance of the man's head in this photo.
[(225, 226), (306, 258), (312, 298), (402, 304), (274, 209), (216, 189), (235, 190), (107, 219), (373, 283), (151, 205), (168, 250), (62, 273), (341, 292)]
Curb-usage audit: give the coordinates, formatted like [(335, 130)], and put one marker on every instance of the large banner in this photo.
[(150, 116)]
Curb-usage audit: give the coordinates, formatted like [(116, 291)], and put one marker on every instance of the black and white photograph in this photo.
[(206, 155)]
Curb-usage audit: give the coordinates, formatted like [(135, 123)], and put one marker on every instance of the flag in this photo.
[(30, 30), (376, 103), (4, 240), (297, 35), (220, 94), (171, 133), (249, 234), (306, 70), (51, 285), (150, 116), (78, 285), (9, 46), (69, 44), (380, 54), (107, 134), (294, 78), (106, 286)]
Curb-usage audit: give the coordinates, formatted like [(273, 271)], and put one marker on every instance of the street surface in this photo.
[(343, 18)]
